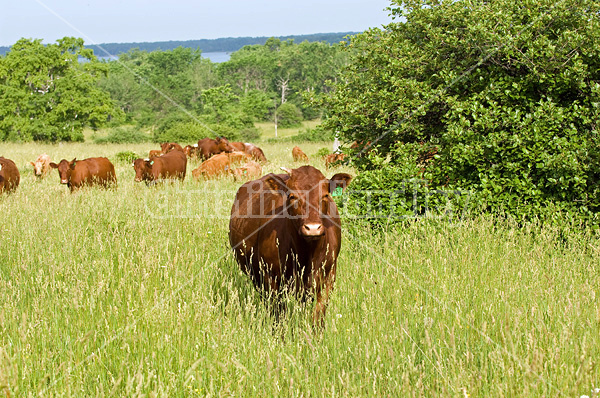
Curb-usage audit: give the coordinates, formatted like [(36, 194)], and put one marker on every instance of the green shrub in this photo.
[(123, 135), (321, 153), (183, 132), (126, 157), (317, 134), (512, 103), (396, 189), (288, 115)]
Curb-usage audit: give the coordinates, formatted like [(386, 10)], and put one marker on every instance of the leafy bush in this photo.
[(397, 190), (183, 132), (123, 135), (288, 115), (126, 157), (508, 94), (321, 153), (318, 134)]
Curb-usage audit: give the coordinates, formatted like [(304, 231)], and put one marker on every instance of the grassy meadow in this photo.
[(135, 292)]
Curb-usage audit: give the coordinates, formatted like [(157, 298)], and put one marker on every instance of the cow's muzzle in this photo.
[(313, 230)]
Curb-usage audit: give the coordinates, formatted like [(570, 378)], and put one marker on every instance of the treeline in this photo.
[(184, 95), (224, 44), (47, 93)]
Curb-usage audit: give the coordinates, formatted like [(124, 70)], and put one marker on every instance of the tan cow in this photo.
[(41, 166)]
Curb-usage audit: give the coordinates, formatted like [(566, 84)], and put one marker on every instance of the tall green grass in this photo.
[(134, 292)]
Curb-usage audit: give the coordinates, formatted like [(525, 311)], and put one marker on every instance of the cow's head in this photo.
[(307, 194), (37, 167), (223, 144), (65, 168), (143, 169)]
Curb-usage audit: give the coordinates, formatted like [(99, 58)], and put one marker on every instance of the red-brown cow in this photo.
[(154, 153), (9, 175), (91, 171), (170, 146), (171, 165), (208, 147), (191, 151), (256, 153), (41, 166), (299, 155), (248, 171), (285, 233), (238, 146), (333, 158)]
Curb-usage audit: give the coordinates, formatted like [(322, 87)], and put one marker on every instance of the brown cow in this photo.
[(41, 166), (220, 164), (299, 155), (91, 171), (256, 153), (171, 165), (9, 175), (285, 233), (238, 146), (170, 146), (248, 171), (208, 147), (334, 158), (236, 157), (214, 167), (191, 151), (154, 153)]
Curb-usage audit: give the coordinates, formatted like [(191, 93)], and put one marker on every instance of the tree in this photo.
[(47, 94), (506, 93)]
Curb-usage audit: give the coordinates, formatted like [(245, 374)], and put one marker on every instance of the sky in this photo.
[(124, 21)]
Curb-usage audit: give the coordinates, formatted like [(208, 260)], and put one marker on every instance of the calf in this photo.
[(9, 175), (299, 155), (41, 166), (171, 165), (334, 158), (91, 171), (285, 231), (247, 171)]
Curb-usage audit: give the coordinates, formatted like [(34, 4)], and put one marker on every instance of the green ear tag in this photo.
[(338, 192), (151, 163)]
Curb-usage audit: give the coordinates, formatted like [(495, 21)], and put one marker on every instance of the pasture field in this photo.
[(135, 292)]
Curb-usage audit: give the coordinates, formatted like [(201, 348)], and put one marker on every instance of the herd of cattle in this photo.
[(284, 228)]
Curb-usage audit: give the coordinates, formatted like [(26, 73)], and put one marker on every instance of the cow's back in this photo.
[(213, 167), (9, 175), (172, 165), (92, 171)]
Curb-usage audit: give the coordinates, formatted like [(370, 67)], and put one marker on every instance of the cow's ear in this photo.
[(31, 163), (73, 162), (53, 165), (275, 183), (339, 181)]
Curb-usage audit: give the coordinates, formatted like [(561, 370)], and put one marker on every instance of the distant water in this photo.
[(216, 57)]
